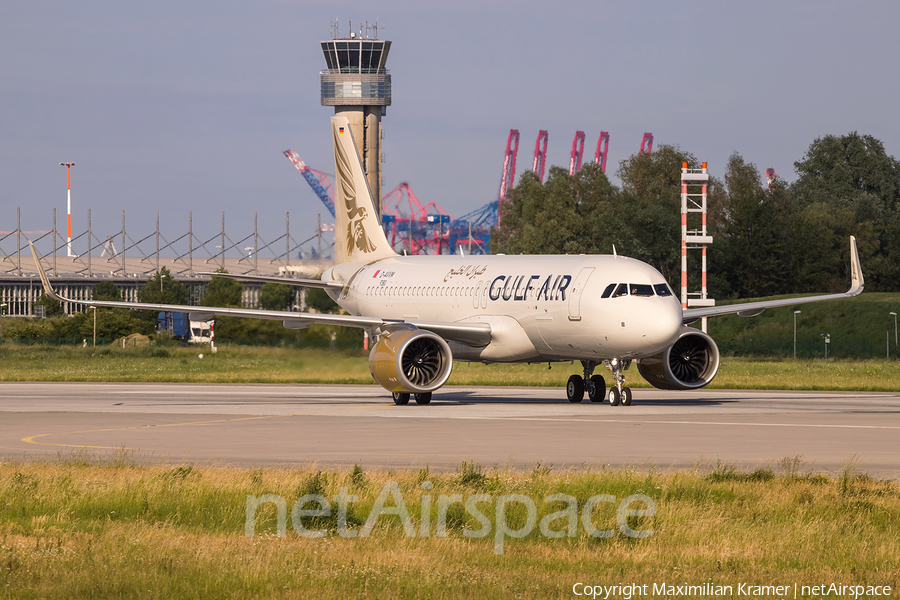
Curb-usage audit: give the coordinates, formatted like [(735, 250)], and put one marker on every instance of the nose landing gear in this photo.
[(618, 393), (595, 385)]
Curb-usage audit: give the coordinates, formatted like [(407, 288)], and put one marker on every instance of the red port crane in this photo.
[(771, 176), (540, 154), (647, 143), (602, 150), (577, 153), (412, 226), (509, 164)]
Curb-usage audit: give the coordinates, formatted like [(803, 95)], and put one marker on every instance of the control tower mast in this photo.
[(358, 86)]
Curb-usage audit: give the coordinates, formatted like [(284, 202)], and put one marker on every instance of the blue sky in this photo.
[(179, 107)]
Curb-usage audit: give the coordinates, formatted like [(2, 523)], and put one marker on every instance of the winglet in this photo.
[(46, 282), (856, 274)]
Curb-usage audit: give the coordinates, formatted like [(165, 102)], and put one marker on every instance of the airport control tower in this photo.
[(358, 86)]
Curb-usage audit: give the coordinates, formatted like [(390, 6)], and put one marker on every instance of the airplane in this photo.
[(424, 312)]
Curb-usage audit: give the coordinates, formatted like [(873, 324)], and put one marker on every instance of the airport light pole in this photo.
[(2, 306), (94, 343), (68, 166), (827, 337), (796, 312), (893, 314)]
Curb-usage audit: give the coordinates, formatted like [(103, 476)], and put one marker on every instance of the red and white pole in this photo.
[(69, 166), (684, 212)]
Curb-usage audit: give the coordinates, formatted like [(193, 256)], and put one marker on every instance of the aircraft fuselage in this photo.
[(545, 307)]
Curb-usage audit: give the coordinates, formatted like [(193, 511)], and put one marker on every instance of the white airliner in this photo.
[(424, 312)]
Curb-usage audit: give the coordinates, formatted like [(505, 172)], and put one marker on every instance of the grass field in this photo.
[(78, 528), (235, 364)]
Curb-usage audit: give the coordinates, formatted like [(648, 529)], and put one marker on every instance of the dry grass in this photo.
[(77, 528)]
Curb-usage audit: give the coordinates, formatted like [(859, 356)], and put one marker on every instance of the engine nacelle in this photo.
[(689, 364), (411, 361)]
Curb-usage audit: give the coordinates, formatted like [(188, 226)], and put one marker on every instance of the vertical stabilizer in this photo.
[(358, 236)]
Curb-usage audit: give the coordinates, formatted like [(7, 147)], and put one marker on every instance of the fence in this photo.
[(838, 348), (186, 252)]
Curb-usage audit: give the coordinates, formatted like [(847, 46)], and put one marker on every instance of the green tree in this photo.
[(564, 215), (276, 296), (847, 185), (162, 288), (223, 292), (851, 171), (751, 248), (320, 302), (159, 289), (651, 204), (106, 290), (112, 323), (52, 306), (536, 218)]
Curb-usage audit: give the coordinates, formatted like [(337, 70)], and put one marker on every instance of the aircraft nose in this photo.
[(663, 328)]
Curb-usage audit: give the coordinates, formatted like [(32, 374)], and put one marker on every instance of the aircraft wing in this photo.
[(311, 283), (470, 334), (752, 309)]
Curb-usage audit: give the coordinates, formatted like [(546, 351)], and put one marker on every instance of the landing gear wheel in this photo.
[(597, 388), (575, 388), (626, 396), (613, 396), (400, 398), (423, 398)]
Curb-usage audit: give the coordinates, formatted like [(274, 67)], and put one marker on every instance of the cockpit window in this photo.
[(622, 290), (641, 289), (609, 289), (662, 289)]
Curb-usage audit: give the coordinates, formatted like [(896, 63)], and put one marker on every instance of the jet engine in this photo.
[(689, 364), (410, 361)]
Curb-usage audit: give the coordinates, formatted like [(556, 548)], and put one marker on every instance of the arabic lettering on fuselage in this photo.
[(517, 287), (467, 271)]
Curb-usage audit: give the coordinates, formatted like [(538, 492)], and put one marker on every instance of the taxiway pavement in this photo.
[(331, 425)]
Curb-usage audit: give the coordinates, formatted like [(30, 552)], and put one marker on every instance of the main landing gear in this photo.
[(401, 398), (595, 385)]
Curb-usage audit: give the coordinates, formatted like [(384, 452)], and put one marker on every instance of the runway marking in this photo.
[(564, 420), (31, 439)]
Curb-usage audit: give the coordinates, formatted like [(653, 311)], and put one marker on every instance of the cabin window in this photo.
[(662, 289), (622, 290), (641, 289), (609, 290)]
